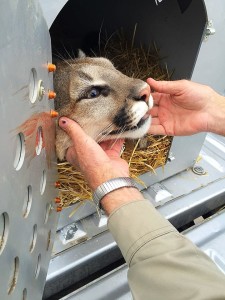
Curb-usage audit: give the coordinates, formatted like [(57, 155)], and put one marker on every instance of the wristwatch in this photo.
[(110, 186)]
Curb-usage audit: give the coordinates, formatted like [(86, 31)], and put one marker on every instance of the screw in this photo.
[(170, 157), (198, 170)]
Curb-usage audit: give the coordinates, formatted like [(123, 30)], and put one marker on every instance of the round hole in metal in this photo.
[(43, 182), (4, 230), (49, 240), (39, 140), (38, 266), (14, 276), (27, 202), (20, 151), (47, 212), (33, 238), (33, 86), (24, 294)]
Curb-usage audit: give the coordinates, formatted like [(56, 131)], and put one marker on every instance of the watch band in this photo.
[(111, 185)]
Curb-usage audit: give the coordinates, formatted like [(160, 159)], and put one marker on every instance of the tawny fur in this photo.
[(119, 111)]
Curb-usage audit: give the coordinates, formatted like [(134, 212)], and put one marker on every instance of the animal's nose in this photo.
[(145, 93)]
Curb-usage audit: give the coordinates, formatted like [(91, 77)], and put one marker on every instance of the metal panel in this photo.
[(188, 197), (183, 153), (70, 267), (112, 286), (51, 8), (209, 237), (27, 221), (210, 65)]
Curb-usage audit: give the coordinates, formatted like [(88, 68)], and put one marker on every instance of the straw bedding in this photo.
[(134, 61)]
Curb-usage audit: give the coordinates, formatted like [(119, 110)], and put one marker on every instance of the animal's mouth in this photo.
[(142, 121)]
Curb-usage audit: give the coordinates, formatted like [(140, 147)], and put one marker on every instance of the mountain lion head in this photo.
[(104, 102)]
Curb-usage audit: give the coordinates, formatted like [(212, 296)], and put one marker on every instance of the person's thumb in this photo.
[(74, 131), (166, 87)]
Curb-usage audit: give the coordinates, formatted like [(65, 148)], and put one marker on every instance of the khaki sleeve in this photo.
[(163, 264)]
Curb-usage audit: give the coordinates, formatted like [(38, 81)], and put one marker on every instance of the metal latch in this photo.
[(210, 30), (159, 194)]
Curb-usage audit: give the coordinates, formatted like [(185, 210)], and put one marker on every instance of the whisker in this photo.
[(119, 135), (58, 54), (107, 127), (63, 59), (93, 52), (106, 132), (99, 37), (67, 63), (103, 137), (69, 55)]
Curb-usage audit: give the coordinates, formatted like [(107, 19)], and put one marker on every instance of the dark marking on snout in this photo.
[(121, 119), (118, 131)]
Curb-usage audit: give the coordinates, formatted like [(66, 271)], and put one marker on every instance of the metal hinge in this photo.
[(210, 30)]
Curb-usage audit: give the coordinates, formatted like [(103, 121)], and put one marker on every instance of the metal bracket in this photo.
[(159, 194), (210, 30)]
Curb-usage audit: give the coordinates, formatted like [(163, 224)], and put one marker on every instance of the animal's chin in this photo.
[(141, 124)]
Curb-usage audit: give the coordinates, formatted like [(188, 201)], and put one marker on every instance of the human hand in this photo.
[(97, 163), (180, 107)]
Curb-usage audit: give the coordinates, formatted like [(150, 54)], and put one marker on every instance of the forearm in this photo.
[(162, 263), (216, 119)]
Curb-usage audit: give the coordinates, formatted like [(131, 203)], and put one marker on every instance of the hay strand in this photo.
[(134, 61)]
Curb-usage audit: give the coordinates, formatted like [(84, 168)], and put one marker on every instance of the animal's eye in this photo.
[(94, 92)]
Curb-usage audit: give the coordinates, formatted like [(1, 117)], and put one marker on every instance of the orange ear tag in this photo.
[(51, 67), (54, 114), (51, 95)]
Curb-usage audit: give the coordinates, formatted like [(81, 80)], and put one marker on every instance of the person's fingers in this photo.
[(157, 130), (83, 145), (154, 111), (157, 97), (106, 145), (155, 121), (167, 87), (113, 147), (75, 132), (72, 158)]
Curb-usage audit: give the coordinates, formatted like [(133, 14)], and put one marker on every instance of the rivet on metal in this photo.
[(57, 200), (54, 113), (57, 184), (51, 67), (170, 157), (51, 95), (41, 90), (198, 170), (58, 208)]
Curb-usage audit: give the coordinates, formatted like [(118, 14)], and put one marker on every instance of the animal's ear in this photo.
[(81, 54)]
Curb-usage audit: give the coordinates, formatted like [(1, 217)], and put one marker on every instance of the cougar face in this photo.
[(103, 101)]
